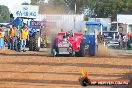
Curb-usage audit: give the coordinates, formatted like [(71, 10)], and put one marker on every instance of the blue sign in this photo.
[(25, 13)]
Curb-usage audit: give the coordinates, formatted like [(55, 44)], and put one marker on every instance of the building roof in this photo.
[(124, 18)]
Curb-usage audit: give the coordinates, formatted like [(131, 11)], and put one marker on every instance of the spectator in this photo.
[(96, 31), (124, 42), (12, 35), (8, 35), (2, 37), (15, 38), (121, 40), (23, 37)]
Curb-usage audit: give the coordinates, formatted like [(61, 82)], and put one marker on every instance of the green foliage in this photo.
[(4, 13), (111, 8), (100, 8), (34, 2), (57, 1), (25, 3)]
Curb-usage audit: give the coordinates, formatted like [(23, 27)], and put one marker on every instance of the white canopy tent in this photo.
[(125, 19)]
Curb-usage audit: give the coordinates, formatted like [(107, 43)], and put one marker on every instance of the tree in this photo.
[(34, 2), (101, 8), (57, 1), (4, 13), (111, 8), (25, 3)]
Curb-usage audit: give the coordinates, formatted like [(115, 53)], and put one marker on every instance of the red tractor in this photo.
[(68, 43)]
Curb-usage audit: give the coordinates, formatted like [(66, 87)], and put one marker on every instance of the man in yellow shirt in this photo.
[(2, 37), (15, 38), (8, 35), (23, 37), (12, 35)]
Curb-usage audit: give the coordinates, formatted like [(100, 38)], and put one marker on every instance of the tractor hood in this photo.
[(71, 40)]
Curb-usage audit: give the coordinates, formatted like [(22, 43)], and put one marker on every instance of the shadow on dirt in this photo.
[(126, 56), (40, 81), (48, 55), (3, 54), (58, 82), (71, 64), (127, 76), (61, 73)]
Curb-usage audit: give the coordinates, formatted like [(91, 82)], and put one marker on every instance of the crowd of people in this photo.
[(125, 40), (14, 39)]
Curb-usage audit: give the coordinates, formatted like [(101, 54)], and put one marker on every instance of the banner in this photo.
[(27, 11), (38, 23)]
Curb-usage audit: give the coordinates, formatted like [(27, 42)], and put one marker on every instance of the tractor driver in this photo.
[(23, 37), (69, 33)]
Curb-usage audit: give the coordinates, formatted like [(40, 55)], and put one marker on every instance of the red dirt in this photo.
[(37, 70)]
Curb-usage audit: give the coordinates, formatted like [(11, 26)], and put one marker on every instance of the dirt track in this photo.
[(37, 70)]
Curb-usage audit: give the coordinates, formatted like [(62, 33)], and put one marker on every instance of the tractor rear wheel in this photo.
[(81, 52), (31, 42), (37, 41), (53, 46), (18, 45)]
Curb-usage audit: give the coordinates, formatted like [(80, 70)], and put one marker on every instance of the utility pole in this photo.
[(75, 16), (75, 8)]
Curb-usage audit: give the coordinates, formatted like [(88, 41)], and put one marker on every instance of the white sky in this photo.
[(11, 3)]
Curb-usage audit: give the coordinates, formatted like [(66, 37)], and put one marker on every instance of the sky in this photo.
[(11, 3)]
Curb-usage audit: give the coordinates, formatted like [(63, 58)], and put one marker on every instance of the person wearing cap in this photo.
[(11, 36), (8, 35), (2, 37), (15, 38), (23, 37)]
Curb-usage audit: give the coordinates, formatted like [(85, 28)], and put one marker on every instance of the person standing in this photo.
[(12, 35), (15, 38), (8, 36), (23, 37), (96, 31), (2, 37), (121, 40), (129, 40), (125, 42)]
